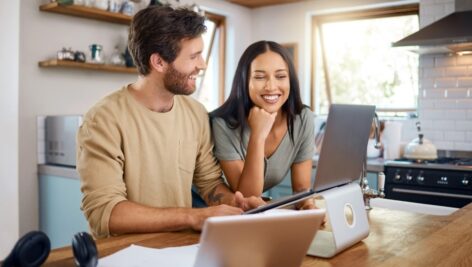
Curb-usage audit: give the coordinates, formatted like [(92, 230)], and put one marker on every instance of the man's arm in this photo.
[(130, 217)]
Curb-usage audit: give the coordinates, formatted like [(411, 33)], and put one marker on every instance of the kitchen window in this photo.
[(354, 62), (210, 84)]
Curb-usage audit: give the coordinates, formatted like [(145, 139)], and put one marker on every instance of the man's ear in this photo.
[(157, 62)]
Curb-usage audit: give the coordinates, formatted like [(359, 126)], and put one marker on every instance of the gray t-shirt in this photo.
[(276, 167)]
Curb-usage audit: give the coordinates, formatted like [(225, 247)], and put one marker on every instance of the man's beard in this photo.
[(177, 82)]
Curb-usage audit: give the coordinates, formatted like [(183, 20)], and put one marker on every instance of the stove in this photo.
[(446, 181)]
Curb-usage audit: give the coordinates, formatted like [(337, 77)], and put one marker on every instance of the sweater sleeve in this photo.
[(100, 163)]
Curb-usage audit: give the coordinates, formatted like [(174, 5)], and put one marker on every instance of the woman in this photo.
[(263, 130)]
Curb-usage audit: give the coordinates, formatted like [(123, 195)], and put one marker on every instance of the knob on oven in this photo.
[(465, 181), (420, 179), (408, 176)]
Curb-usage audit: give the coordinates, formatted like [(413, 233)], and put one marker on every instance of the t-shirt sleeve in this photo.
[(207, 174), (100, 165), (226, 141), (307, 136)]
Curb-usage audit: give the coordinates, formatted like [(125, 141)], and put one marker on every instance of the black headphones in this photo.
[(33, 249)]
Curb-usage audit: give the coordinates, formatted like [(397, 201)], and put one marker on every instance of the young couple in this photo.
[(141, 148)]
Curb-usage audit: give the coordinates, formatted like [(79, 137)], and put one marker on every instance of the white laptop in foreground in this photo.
[(278, 238)]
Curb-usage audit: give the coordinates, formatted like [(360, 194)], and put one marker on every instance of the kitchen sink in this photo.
[(411, 207)]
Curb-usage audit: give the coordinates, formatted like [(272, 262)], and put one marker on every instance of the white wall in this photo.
[(9, 53), (60, 91)]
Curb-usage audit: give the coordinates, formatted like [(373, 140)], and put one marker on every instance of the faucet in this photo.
[(368, 192)]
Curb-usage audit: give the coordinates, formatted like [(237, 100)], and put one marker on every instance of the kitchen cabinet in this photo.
[(60, 197), (88, 13)]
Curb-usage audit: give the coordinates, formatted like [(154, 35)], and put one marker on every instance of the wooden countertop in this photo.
[(396, 239)]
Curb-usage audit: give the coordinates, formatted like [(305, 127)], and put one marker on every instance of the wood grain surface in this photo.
[(396, 239)]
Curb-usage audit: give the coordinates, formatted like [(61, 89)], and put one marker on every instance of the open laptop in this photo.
[(342, 153), (276, 238)]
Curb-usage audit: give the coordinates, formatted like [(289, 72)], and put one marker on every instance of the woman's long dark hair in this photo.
[(235, 110)]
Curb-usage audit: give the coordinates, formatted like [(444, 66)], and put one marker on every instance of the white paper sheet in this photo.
[(137, 256)]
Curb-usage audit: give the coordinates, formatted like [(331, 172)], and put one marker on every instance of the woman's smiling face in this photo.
[(269, 82)]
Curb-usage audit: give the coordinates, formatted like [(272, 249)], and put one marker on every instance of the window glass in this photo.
[(207, 91), (363, 68)]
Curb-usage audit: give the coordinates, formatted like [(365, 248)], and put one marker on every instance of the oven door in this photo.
[(427, 186)]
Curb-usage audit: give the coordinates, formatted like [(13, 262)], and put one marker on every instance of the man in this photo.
[(141, 148)]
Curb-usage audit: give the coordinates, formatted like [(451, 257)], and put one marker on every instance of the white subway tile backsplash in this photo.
[(430, 114), (464, 82), (438, 114), (427, 61), (457, 93), (444, 145), (445, 104), (445, 61), (468, 136), (464, 125), (454, 136), (433, 94), (463, 104), (433, 73), (426, 124), (455, 114), (426, 103), (464, 60), (445, 82), (456, 71), (434, 135), (426, 83), (469, 114), (445, 125), (463, 146)]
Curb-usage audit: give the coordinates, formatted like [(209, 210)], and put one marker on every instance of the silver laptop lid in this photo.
[(344, 145), (276, 239)]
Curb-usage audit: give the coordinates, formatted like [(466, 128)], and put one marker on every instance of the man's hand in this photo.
[(247, 203), (308, 204), (198, 216)]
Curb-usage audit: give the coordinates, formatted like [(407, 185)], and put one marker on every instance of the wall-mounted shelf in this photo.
[(54, 63), (86, 12)]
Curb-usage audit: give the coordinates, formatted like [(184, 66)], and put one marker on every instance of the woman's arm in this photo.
[(301, 180), (248, 176)]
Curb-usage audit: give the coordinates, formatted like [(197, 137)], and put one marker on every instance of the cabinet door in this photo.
[(60, 216)]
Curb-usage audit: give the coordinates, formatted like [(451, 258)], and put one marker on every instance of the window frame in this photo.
[(319, 20), (220, 25)]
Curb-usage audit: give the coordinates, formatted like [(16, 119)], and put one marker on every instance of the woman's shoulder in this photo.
[(306, 115), (219, 124)]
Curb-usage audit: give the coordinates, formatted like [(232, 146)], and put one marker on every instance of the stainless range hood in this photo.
[(452, 33)]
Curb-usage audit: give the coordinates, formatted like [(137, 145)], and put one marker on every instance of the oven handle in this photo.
[(429, 193)]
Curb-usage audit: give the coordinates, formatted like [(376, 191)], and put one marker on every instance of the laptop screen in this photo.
[(344, 145)]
